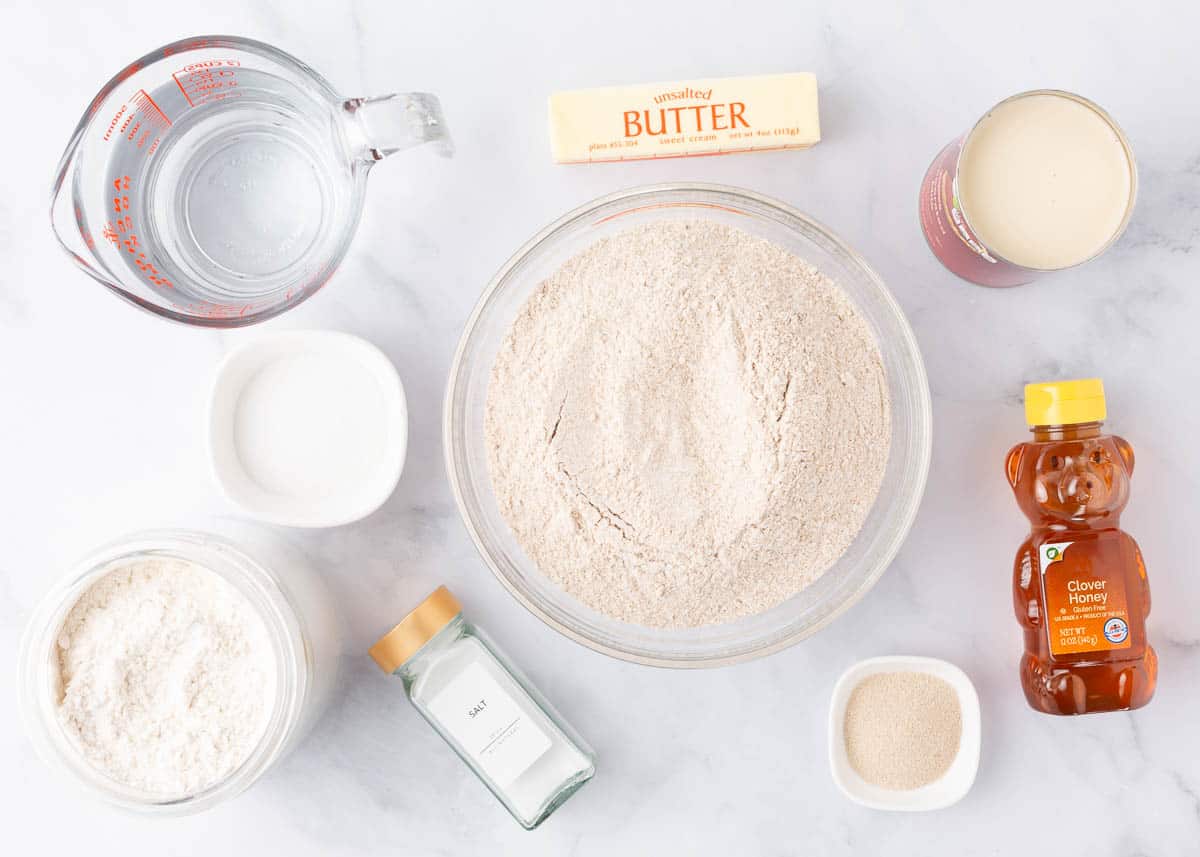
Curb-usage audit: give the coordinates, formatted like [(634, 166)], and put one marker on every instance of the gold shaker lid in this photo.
[(416, 629)]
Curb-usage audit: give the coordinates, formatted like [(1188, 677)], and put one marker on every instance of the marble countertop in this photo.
[(102, 426)]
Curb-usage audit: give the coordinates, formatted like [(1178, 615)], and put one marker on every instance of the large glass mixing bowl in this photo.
[(809, 610)]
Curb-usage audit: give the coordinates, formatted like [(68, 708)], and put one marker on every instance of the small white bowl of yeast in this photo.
[(904, 733)]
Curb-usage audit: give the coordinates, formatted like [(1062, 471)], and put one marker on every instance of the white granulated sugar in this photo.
[(167, 676), (686, 424)]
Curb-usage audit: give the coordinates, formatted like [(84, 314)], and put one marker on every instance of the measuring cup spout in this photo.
[(398, 121), (68, 222)]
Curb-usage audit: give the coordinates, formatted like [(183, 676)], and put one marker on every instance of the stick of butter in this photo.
[(714, 116)]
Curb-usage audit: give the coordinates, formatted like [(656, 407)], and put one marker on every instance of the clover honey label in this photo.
[(1084, 594)]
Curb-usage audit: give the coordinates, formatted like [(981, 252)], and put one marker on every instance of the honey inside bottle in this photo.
[(1079, 582)]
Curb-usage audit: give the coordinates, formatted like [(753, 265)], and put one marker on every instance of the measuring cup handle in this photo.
[(400, 121)]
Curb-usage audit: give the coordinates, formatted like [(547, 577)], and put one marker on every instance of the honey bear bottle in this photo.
[(1079, 583)]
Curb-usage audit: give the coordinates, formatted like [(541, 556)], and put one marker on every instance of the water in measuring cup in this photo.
[(244, 198)]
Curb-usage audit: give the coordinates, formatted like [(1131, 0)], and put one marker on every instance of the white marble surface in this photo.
[(101, 423)]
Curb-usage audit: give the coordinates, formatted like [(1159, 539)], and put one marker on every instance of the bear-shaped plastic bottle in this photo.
[(1079, 583)]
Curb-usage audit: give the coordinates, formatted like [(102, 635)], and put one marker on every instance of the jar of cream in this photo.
[(491, 715)]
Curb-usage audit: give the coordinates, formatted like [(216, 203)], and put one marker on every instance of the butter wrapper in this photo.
[(678, 119)]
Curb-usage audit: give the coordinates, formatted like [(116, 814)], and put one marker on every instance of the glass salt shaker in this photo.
[(496, 721)]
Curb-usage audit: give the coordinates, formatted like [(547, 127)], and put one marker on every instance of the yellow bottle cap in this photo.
[(415, 630), (1063, 403)]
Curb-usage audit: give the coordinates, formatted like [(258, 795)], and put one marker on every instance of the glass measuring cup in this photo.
[(218, 181)]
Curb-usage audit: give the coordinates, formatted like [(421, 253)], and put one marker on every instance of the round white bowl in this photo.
[(840, 586)]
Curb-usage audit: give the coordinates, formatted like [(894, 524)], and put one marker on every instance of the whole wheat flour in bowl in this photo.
[(686, 424)]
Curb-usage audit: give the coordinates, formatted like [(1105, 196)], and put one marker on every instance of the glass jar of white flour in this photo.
[(485, 709), (171, 669)]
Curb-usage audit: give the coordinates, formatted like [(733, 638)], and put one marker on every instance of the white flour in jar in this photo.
[(686, 424), (167, 676)]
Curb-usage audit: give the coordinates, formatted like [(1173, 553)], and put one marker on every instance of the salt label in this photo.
[(489, 725)]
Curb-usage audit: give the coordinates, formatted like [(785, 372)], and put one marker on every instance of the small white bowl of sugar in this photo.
[(904, 733), (307, 428)]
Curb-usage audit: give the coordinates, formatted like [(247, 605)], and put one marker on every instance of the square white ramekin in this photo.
[(941, 793)]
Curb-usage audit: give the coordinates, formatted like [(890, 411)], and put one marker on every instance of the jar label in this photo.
[(1085, 594), (489, 725)]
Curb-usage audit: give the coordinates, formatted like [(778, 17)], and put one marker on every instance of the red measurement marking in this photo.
[(182, 47), (120, 233), (113, 124), (207, 80), (215, 311), (175, 77), (143, 122), (152, 112)]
